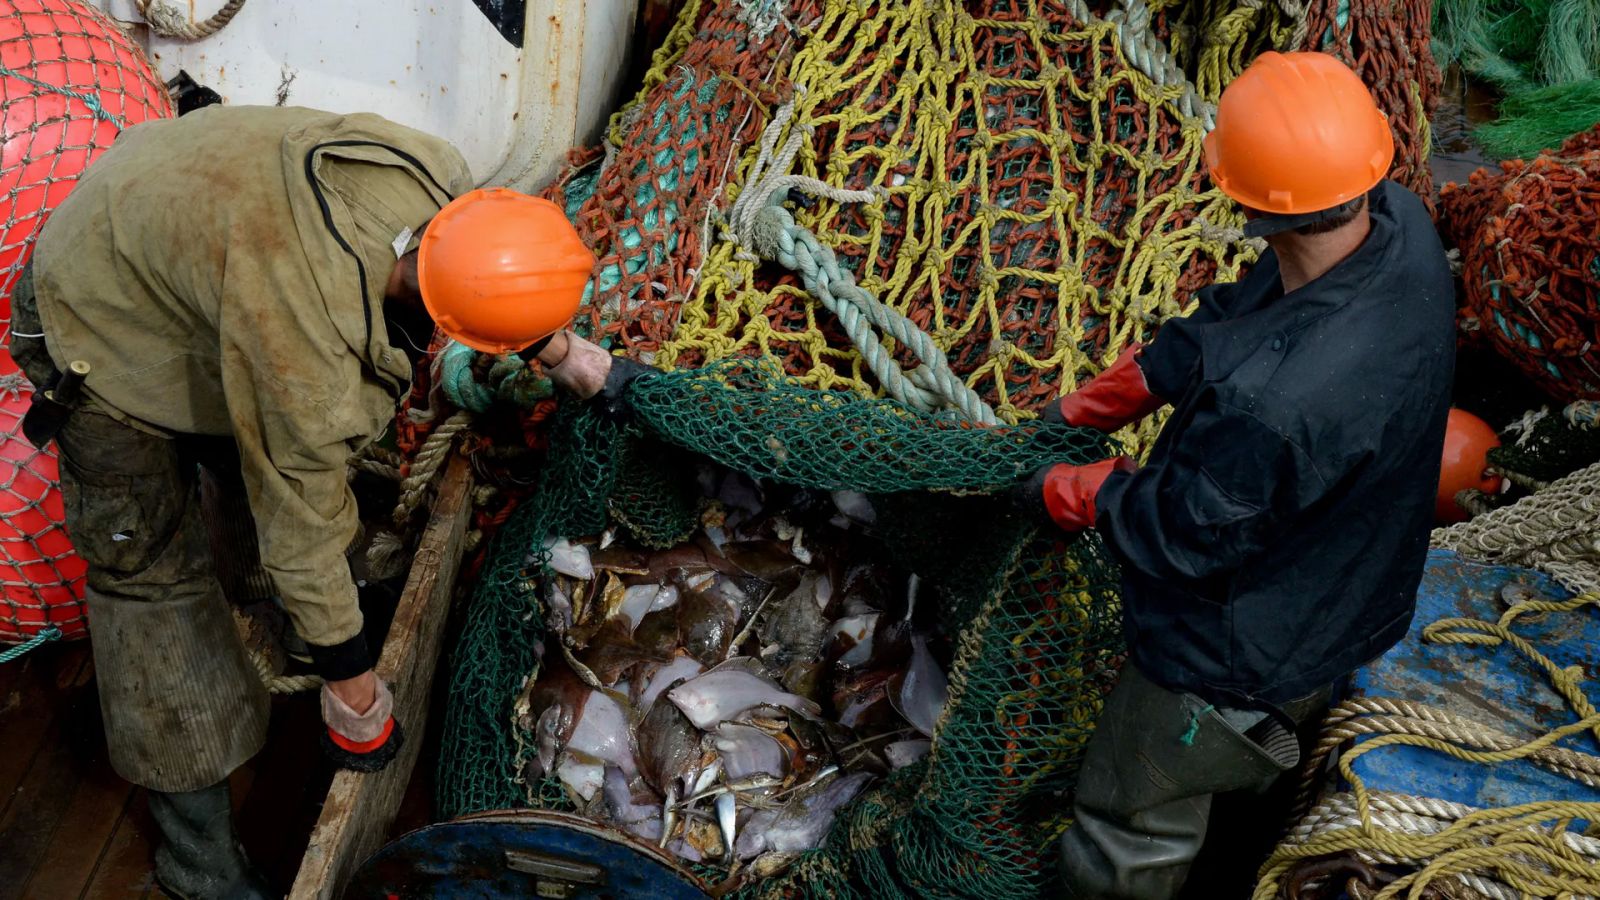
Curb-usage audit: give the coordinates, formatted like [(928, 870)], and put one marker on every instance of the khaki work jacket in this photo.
[(223, 273)]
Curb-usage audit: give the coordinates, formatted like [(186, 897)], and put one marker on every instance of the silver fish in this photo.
[(903, 753), (669, 815), (705, 778), (723, 693), (806, 818), (923, 690), (748, 751), (728, 821)]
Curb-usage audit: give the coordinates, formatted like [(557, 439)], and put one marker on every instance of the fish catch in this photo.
[(725, 698)]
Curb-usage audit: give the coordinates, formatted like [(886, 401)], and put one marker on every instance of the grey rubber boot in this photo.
[(199, 857)]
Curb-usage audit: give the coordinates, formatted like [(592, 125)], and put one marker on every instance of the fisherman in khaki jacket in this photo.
[(249, 288)]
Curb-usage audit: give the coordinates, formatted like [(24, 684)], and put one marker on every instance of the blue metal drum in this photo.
[(522, 853)]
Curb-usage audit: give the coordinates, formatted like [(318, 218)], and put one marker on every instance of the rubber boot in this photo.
[(1144, 794), (199, 857)]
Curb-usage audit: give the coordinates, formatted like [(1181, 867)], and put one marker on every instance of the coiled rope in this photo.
[(1511, 852)]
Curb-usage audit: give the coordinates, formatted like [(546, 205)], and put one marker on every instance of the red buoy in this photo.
[(70, 81), (1467, 442)]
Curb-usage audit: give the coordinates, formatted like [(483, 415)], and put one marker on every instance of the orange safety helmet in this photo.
[(1467, 442), (500, 270), (1297, 133)]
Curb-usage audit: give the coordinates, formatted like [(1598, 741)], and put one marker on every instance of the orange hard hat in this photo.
[(1297, 133), (1467, 442), (500, 271)]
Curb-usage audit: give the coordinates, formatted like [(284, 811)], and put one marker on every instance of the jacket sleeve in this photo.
[(1171, 361), (1209, 507), (299, 406)]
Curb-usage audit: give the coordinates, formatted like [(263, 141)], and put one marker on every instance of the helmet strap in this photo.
[(1268, 224)]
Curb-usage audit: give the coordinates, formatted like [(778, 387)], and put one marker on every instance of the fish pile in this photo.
[(725, 698)]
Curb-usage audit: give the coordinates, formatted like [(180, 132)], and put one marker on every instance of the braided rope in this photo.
[(758, 220), (1555, 526), (427, 465), (90, 101), (1149, 54), (281, 684), (169, 21), (45, 636), (1417, 815)]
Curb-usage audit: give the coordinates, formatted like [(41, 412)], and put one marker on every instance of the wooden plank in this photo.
[(31, 690), (360, 807), (37, 807), (124, 871), (85, 829)]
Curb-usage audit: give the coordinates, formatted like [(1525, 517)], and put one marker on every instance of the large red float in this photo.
[(70, 81)]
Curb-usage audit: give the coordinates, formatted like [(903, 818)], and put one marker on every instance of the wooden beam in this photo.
[(361, 807)]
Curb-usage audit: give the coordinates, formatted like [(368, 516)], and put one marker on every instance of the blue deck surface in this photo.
[(1494, 685)]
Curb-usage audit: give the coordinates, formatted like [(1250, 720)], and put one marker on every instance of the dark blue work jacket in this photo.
[(1275, 540)]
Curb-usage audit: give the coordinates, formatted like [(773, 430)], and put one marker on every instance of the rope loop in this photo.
[(169, 21)]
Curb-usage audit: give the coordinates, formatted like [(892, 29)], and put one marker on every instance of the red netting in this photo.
[(1530, 262), (1387, 43), (70, 81), (648, 220)]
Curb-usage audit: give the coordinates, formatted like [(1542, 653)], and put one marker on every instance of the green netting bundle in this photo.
[(750, 417), (1039, 618), (1544, 55)]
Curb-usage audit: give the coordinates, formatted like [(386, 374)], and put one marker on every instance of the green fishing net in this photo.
[(1038, 617)]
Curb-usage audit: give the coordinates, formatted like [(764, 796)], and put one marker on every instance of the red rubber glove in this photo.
[(1110, 400), (1069, 491), (365, 741)]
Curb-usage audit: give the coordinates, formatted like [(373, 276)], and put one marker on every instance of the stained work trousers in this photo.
[(1150, 772), (183, 706)]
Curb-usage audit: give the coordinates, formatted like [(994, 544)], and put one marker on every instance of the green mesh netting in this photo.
[(1039, 619), (980, 818)]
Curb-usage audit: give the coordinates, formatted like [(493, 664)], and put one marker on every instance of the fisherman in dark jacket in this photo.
[(1275, 539)]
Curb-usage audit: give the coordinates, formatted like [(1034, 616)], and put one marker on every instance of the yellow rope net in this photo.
[(1038, 203)]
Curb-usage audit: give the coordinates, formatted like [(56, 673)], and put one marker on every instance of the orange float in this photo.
[(1467, 442), (70, 81)]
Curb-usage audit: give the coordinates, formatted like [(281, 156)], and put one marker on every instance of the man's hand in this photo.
[(358, 693), (1065, 494), (575, 364), (586, 370), (362, 733)]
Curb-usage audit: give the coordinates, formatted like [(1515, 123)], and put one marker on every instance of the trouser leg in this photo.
[(183, 706), (1144, 792)]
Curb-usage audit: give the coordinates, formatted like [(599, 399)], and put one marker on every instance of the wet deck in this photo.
[(70, 828)]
